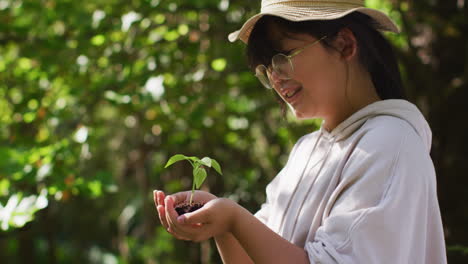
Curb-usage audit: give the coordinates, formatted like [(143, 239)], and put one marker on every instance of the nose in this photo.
[(275, 79)]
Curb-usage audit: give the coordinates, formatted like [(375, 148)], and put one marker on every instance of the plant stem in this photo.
[(193, 183), (193, 191)]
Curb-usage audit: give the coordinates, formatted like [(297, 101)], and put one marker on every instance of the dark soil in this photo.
[(186, 208)]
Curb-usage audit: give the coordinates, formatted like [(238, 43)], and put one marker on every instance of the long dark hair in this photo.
[(375, 52)]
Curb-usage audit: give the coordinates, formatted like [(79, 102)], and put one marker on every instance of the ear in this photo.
[(346, 43)]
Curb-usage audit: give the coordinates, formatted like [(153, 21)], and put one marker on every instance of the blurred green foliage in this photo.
[(96, 95)]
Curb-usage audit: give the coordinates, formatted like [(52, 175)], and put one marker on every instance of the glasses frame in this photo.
[(261, 69)]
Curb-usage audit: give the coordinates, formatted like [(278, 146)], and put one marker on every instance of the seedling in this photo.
[(199, 169)]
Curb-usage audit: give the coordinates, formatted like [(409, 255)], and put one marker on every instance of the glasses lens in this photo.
[(282, 66), (262, 75)]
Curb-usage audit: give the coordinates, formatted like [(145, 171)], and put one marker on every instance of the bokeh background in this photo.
[(96, 95)]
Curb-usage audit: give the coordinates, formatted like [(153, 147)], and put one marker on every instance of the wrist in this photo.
[(236, 218), (232, 211), (222, 237)]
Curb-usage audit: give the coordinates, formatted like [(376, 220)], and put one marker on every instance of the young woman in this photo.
[(362, 189)]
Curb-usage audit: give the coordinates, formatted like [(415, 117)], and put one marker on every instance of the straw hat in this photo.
[(312, 10)]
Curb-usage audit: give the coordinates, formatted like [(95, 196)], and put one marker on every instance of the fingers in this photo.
[(160, 196), (163, 207), (171, 214), (155, 198), (170, 231), (180, 197), (171, 217), (195, 218), (162, 216), (163, 219)]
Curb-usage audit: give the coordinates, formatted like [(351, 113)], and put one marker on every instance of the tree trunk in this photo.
[(26, 254)]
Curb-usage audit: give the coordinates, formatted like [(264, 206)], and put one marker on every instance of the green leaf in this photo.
[(199, 176), (206, 161), (194, 159), (175, 158), (216, 166)]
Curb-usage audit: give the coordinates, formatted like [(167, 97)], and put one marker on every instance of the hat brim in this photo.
[(384, 23)]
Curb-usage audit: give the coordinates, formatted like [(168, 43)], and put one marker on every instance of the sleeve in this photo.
[(272, 188), (381, 209)]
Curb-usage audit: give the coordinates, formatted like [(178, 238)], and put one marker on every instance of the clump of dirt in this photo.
[(184, 208)]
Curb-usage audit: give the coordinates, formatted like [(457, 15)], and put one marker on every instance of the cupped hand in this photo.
[(160, 197), (216, 217), (198, 197)]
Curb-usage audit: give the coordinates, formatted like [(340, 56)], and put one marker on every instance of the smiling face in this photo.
[(316, 87), (351, 68)]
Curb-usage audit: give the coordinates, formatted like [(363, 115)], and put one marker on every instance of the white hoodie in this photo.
[(363, 193)]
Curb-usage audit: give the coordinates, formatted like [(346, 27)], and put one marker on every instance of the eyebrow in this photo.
[(289, 52), (287, 36), (280, 46)]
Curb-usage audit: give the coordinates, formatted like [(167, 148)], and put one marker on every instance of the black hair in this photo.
[(375, 52)]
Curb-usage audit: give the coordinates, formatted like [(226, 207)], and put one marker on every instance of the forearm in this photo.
[(262, 244), (230, 250)]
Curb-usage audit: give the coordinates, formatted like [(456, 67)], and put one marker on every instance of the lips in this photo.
[(290, 93)]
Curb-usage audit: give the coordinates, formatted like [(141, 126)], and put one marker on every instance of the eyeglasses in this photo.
[(282, 66)]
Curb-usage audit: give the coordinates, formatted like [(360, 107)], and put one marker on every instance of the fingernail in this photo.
[(181, 219)]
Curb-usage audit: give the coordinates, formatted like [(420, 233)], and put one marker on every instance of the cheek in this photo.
[(314, 79), (320, 76)]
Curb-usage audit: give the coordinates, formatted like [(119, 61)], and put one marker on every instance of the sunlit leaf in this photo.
[(216, 166), (206, 161), (174, 159), (199, 175)]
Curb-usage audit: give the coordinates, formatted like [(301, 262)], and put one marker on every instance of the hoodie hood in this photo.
[(393, 107)]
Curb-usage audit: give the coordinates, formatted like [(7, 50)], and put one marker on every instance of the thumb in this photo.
[(180, 197), (197, 217)]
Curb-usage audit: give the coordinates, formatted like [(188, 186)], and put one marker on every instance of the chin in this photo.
[(301, 116)]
